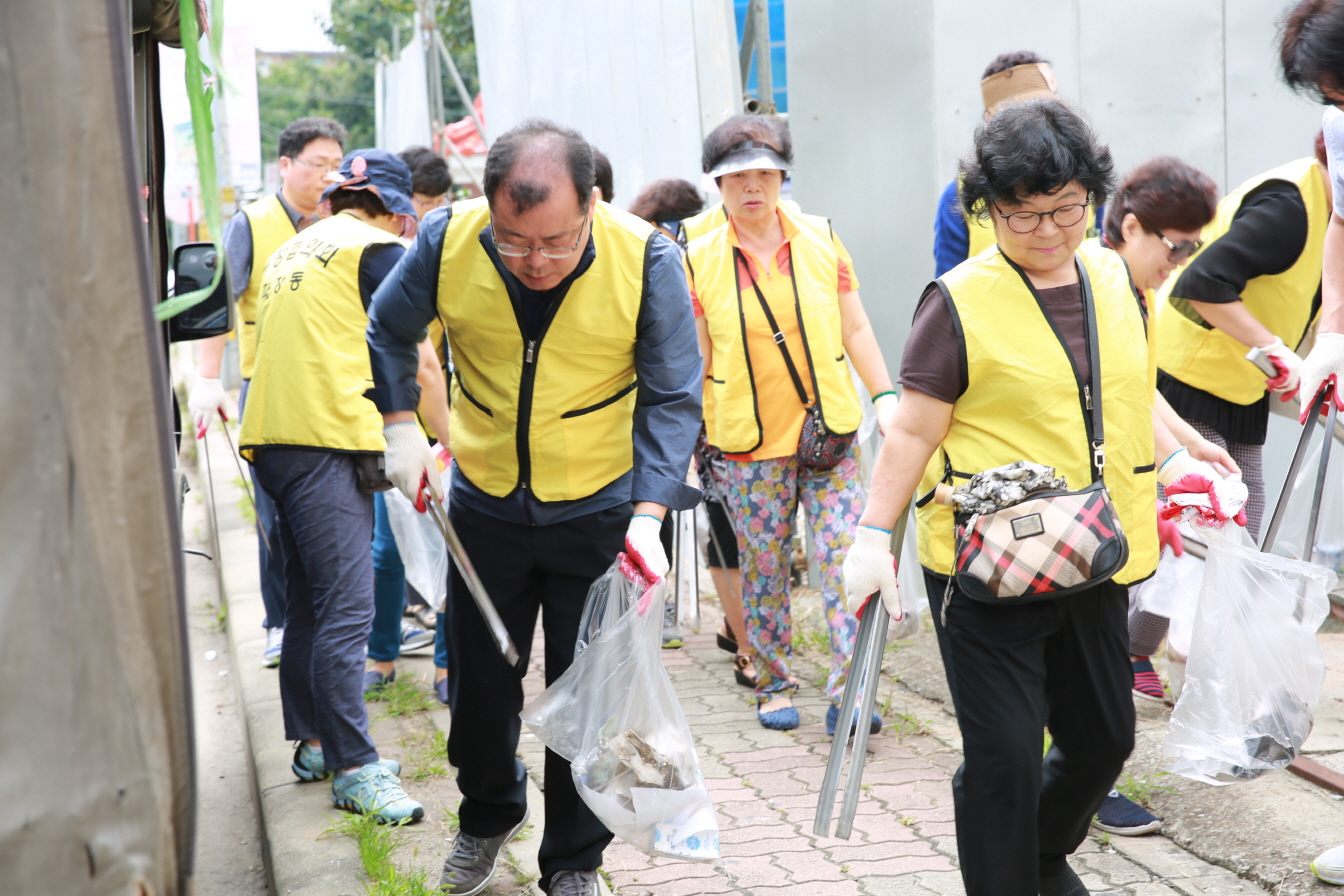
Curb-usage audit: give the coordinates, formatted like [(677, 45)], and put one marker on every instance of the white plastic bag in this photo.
[(1255, 670), (421, 546), (616, 718)]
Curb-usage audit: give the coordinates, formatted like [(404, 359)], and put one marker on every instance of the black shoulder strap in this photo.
[(1094, 373), (738, 258)]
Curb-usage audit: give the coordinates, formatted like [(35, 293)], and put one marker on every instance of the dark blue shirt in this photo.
[(238, 244), (667, 364)]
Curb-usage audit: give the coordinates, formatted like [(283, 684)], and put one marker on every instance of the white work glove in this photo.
[(1194, 486), (1289, 366), (206, 399), (870, 568), (885, 405), (409, 462), (645, 548), (1325, 364)]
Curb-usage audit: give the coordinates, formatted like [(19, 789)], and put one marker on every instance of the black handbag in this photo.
[(818, 447)]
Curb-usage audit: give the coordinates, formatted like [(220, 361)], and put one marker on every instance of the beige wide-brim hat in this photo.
[(1021, 82)]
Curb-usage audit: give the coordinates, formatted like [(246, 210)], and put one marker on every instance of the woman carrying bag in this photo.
[(778, 313), (1037, 352)]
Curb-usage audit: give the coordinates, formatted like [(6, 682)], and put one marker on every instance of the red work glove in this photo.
[(1168, 532)]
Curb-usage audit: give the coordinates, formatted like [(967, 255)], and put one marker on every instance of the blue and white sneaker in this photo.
[(376, 792), (1119, 815), (310, 765), (413, 637), (275, 640)]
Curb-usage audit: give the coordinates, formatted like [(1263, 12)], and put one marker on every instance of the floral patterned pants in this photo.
[(763, 497)]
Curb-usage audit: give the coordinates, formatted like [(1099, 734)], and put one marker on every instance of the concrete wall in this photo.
[(885, 97)]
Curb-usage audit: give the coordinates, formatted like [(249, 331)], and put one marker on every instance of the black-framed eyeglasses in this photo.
[(552, 252), (1027, 222), (1179, 252)]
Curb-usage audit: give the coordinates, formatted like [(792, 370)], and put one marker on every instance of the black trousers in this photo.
[(1059, 664), (524, 569)]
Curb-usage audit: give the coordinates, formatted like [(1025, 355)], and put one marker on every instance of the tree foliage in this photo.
[(342, 87), (364, 29), (335, 87)]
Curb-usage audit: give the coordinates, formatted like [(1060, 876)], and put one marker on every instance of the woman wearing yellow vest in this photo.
[(778, 313), (1154, 222), (317, 446), (1255, 283), (994, 372)]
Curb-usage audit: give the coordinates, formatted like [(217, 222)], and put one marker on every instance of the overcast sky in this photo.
[(282, 25)]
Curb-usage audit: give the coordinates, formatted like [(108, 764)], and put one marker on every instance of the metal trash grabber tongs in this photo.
[(455, 550), (865, 669), (1309, 549)]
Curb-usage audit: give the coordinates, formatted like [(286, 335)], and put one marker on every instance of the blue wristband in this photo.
[(646, 515), (878, 528)]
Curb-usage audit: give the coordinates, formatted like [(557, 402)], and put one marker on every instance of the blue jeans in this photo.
[(389, 588), (268, 554), (325, 526)]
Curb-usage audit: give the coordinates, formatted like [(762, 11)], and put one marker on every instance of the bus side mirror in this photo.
[(194, 266)]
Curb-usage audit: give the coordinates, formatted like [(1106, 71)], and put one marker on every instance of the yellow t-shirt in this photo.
[(782, 413)]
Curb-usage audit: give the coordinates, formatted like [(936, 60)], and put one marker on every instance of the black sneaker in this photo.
[(574, 883), (472, 861)]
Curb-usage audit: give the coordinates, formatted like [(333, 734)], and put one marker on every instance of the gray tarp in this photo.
[(96, 782)]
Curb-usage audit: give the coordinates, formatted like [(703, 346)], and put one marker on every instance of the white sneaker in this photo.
[(275, 639), (1329, 865)]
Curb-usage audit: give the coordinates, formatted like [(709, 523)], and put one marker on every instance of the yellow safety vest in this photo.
[(270, 226), (1209, 359), (312, 363), (697, 226), (1022, 399), (732, 421), (554, 415)]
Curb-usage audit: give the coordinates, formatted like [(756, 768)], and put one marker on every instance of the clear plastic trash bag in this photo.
[(910, 579), (1255, 670), (616, 718), (421, 546)]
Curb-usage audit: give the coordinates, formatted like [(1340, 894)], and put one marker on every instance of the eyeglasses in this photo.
[(326, 167), (1027, 222), (553, 252), (1179, 252)]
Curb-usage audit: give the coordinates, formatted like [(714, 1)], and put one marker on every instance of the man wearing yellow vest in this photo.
[(316, 444), (1255, 284), (574, 409), (1009, 78), (310, 148)]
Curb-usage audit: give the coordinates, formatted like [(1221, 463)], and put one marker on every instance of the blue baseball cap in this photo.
[(378, 170)]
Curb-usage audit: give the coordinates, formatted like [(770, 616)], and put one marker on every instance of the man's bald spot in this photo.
[(542, 166)]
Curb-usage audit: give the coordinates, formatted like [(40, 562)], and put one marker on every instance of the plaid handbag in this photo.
[(1051, 543)]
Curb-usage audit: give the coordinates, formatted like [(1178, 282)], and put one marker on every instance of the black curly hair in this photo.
[(1029, 148)]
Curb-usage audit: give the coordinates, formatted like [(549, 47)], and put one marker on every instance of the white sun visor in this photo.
[(747, 156)]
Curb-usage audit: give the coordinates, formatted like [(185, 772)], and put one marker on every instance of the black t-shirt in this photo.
[(1267, 235)]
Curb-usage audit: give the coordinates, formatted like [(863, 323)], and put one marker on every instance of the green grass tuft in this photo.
[(403, 697)]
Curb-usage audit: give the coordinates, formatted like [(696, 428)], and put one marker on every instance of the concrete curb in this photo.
[(299, 861)]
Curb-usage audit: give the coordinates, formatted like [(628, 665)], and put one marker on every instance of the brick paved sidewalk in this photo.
[(764, 785)]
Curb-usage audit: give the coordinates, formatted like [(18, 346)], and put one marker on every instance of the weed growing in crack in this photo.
[(403, 697), (377, 846)]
